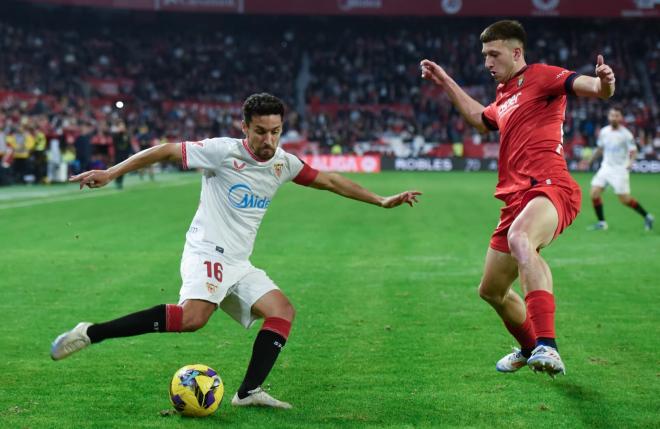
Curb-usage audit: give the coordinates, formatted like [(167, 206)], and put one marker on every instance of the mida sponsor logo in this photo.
[(241, 197)]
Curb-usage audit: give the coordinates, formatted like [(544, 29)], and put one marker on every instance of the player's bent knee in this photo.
[(518, 244), (193, 323), (285, 311), (625, 199), (490, 295)]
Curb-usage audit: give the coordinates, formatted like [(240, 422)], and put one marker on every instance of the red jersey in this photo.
[(529, 112)]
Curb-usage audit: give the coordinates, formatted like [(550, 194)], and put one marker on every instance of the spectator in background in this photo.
[(83, 145), (121, 143), (55, 161), (22, 144), (39, 156), (144, 139)]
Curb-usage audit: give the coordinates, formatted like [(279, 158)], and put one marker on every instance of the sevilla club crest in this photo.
[(278, 169)]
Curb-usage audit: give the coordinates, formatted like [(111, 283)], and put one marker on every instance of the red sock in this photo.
[(524, 333), (632, 203), (597, 201), (541, 309), (277, 325), (173, 318)]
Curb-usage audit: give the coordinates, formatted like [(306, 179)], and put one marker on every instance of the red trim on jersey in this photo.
[(184, 156), (173, 318), (521, 71), (252, 154), (277, 325), (306, 176)]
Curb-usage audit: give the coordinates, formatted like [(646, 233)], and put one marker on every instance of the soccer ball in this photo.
[(196, 390)]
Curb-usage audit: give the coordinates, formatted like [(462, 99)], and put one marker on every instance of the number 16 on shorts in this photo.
[(214, 270)]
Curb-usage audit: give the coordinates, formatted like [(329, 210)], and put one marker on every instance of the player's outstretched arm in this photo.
[(347, 188), (99, 178), (632, 156), (470, 108), (601, 86)]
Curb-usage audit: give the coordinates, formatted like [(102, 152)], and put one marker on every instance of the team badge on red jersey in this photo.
[(521, 79), (278, 168)]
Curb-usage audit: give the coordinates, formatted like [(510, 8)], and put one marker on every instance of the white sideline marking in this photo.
[(80, 195)]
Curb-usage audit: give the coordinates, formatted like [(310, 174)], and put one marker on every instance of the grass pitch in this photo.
[(390, 331)]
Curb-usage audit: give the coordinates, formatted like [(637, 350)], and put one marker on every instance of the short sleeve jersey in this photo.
[(529, 113), (617, 144), (237, 189)]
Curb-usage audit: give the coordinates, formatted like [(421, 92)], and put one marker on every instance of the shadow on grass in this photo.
[(588, 404)]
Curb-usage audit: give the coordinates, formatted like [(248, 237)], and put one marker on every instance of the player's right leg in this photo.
[(192, 315), (627, 200), (500, 271), (597, 202)]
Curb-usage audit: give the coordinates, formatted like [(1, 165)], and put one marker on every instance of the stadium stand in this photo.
[(350, 87)]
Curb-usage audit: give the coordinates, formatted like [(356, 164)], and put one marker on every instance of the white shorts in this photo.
[(619, 180), (234, 286)]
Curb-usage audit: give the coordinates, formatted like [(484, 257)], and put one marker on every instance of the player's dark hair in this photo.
[(504, 30), (262, 104), (617, 108)]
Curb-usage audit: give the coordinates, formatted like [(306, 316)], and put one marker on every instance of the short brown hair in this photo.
[(504, 30), (260, 105)]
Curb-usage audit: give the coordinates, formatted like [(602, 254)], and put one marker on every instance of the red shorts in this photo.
[(566, 199)]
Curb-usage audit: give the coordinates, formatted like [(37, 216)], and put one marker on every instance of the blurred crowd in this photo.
[(81, 89)]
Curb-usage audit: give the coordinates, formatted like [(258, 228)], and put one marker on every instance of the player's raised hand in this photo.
[(603, 71), (433, 72), (92, 178), (408, 197)]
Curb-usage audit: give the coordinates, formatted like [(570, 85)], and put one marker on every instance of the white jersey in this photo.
[(616, 144), (237, 188)]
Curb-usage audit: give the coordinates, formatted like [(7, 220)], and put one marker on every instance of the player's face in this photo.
[(500, 58), (263, 135), (614, 117)]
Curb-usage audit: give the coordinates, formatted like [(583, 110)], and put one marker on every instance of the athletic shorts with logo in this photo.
[(617, 178), (565, 196), (232, 285)]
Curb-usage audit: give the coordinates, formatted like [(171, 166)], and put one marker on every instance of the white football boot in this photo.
[(259, 398), (648, 222), (511, 362), (70, 342), (601, 225), (546, 359)]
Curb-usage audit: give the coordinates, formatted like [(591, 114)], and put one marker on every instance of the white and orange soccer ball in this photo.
[(196, 390)]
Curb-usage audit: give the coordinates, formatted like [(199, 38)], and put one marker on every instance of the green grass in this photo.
[(390, 331)]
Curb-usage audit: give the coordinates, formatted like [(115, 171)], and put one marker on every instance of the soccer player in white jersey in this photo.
[(240, 177), (616, 144)]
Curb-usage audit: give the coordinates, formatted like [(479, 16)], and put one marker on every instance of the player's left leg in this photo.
[(500, 271), (278, 314), (533, 229), (628, 200)]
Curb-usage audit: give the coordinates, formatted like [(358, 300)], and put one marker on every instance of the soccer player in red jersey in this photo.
[(541, 199)]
